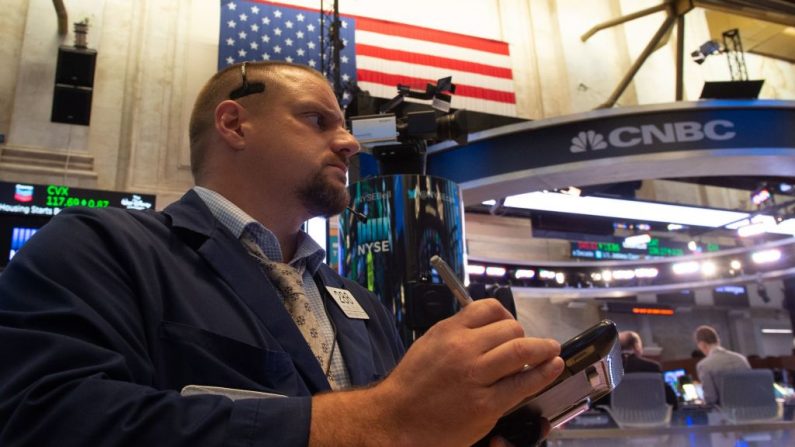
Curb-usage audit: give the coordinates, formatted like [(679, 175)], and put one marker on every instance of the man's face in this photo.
[(301, 146)]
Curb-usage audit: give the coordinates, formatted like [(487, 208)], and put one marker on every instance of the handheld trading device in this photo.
[(592, 359), (593, 368)]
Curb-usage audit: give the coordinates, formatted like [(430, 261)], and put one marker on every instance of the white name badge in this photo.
[(348, 303)]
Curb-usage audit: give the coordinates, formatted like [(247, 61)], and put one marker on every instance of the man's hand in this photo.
[(451, 387)]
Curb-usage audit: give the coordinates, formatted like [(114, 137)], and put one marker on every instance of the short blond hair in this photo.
[(218, 89)]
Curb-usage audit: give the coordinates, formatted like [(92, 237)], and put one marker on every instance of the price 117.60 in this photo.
[(65, 202)]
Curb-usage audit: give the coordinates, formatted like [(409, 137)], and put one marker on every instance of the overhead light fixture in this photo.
[(495, 271), (776, 331), (684, 268), (524, 274), (623, 274), (692, 246), (546, 274), (638, 241), (766, 256), (735, 264), (623, 209), (632, 210), (474, 269), (708, 268), (758, 224), (752, 230), (560, 278), (646, 272)]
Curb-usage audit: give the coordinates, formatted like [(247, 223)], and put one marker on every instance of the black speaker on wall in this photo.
[(74, 85), (71, 105)]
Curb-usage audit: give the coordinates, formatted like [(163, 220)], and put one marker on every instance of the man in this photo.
[(717, 362), (632, 354), (634, 362), (100, 336)]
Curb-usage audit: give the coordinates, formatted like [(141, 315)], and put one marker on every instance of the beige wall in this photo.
[(154, 56)]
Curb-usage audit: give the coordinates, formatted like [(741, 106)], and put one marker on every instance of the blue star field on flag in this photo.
[(255, 31)]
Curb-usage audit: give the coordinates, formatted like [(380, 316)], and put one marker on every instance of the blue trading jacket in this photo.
[(106, 314)]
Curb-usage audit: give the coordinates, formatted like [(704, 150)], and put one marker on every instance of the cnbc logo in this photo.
[(650, 134)]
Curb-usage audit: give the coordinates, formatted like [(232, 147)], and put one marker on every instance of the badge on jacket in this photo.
[(348, 303)]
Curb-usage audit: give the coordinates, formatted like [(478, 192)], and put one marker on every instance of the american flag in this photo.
[(378, 55)]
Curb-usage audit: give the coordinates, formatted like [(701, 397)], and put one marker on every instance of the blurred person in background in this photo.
[(717, 361)]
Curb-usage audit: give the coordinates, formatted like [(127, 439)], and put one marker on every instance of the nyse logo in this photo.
[(649, 134)]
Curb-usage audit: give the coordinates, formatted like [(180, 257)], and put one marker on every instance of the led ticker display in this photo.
[(49, 200), (655, 248), (626, 307), (652, 311), (26, 207)]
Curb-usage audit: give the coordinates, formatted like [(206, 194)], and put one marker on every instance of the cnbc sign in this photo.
[(652, 134)]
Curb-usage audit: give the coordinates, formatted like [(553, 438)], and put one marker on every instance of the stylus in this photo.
[(452, 282)]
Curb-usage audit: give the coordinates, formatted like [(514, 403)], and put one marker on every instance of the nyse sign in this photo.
[(373, 247)]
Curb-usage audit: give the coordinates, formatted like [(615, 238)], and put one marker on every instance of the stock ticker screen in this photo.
[(26, 207)]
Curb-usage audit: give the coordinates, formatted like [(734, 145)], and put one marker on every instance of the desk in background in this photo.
[(689, 427)]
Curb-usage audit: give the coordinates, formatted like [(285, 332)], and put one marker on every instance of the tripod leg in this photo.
[(661, 32)]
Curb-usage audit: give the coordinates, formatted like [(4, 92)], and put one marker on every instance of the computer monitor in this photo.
[(19, 235), (672, 379), (686, 390)]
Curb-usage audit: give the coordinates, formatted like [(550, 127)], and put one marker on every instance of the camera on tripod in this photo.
[(399, 140)]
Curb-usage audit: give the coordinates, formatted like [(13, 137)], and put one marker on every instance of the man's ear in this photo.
[(229, 118)]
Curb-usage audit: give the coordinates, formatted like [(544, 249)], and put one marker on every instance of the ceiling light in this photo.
[(474, 269), (524, 274), (776, 331), (624, 209), (546, 274), (623, 274), (631, 209), (684, 268), (560, 278), (766, 256), (495, 271), (708, 268), (735, 264), (646, 272), (638, 241)]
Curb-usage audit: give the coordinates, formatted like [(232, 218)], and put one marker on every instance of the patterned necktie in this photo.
[(291, 285)]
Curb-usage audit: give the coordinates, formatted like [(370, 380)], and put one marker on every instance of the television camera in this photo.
[(398, 139)]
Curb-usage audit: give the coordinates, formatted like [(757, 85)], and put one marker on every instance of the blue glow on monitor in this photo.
[(672, 378), (20, 235)]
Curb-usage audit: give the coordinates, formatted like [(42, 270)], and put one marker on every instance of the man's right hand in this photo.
[(451, 387)]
